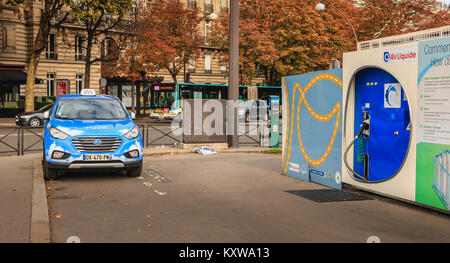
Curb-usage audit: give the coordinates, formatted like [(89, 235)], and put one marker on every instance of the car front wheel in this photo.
[(49, 173), (135, 172)]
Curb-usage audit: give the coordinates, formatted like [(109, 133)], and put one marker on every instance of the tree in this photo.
[(256, 47), (99, 18), (132, 63), (285, 37), (281, 37), (51, 17), (169, 36), (404, 16)]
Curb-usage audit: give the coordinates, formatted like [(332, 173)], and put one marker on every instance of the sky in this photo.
[(446, 1)]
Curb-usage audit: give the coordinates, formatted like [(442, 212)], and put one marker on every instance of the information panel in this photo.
[(433, 128), (312, 147)]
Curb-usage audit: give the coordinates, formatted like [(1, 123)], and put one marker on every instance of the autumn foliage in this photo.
[(170, 36), (277, 37), (285, 37)]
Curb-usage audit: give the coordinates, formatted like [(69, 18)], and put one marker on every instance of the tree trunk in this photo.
[(87, 66), (173, 74), (87, 75), (31, 76), (133, 96), (40, 43)]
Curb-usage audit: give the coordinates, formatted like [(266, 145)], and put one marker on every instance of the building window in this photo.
[(79, 83), (192, 4), (79, 48), (207, 30), (105, 47), (208, 63), (191, 67), (224, 6), (9, 38), (51, 47), (209, 6), (51, 84), (223, 69), (9, 92)]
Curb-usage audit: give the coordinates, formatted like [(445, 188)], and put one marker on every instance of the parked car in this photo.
[(253, 110), (89, 131), (33, 119)]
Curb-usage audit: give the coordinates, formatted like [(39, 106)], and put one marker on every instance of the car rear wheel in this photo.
[(135, 172), (34, 122), (49, 173)]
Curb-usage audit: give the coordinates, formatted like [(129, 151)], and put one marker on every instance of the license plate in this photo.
[(97, 157)]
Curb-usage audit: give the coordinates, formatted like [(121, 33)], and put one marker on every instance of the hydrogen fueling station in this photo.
[(381, 123)]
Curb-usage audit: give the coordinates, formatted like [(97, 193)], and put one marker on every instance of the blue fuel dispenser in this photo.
[(382, 126)]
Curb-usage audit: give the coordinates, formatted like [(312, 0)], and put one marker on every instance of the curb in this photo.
[(176, 152), (40, 226)]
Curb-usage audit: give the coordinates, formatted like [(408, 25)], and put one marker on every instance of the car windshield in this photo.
[(90, 109)]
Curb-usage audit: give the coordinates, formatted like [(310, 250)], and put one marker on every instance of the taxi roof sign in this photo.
[(88, 92)]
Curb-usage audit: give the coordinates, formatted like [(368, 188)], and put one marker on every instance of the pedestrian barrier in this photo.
[(254, 135), (34, 140), (441, 176), (9, 144), (165, 134), (20, 140)]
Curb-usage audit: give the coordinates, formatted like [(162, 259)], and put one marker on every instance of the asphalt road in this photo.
[(224, 198)]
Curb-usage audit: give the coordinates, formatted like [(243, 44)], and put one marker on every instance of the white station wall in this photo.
[(405, 70)]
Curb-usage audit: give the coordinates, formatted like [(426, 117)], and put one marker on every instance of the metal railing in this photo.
[(20, 140), (34, 139), (251, 133), (164, 134), (9, 144)]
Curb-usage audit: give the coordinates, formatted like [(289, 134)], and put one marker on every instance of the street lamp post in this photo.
[(208, 18), (321, 7), (233, 78)]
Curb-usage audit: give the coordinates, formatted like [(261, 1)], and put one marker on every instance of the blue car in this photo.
[(91, 131)]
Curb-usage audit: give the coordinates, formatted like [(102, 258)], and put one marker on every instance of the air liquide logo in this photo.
[(400, 55), (387, 56)]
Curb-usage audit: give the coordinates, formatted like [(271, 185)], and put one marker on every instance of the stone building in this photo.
[(61, 66)]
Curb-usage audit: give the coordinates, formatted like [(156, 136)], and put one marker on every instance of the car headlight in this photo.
[(132, 134), (57, 134)]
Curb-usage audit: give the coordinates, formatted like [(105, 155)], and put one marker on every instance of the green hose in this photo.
[(360, 149)]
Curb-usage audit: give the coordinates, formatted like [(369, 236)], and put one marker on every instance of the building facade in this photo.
[(61, 68)]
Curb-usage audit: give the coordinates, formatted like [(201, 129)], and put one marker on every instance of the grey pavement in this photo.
[(7, 122), (16, 174), (233, 197)]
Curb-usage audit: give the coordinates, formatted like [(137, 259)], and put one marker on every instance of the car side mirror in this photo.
[(133, 115), (46, 115)]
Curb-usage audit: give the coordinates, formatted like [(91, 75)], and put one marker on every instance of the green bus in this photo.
[(164, 100)]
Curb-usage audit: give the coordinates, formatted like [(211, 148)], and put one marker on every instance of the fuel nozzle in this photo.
[(366, 125)]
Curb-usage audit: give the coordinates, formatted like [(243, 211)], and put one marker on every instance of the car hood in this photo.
[(93, 127)]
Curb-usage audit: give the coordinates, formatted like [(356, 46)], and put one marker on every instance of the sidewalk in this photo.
[(16, 178), (7, 122), (167, 150)]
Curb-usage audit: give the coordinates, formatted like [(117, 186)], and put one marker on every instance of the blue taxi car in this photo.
[(90, 131)]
